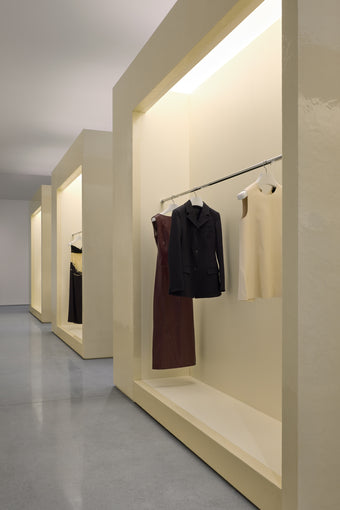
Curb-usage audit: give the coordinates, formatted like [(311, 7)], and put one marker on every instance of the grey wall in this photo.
[(21, 187), (14, 252)]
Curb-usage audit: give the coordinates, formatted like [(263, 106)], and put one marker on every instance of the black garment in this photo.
[(75, 307), (195, 255)]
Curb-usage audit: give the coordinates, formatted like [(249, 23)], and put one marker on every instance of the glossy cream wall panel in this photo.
[(41, 253), (91, 153), (36, 269), (98, 238), (311, 68), (46, 263)]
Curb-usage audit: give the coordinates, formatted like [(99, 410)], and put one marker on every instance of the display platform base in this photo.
[(75, 330), (38, 315), (72, 335), (239, 442)]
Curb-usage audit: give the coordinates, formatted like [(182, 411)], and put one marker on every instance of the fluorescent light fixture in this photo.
[(249, 29)]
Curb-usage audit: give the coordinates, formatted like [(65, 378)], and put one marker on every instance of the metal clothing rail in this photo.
[(254, 167)]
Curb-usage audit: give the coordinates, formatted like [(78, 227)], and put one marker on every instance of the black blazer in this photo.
[(195, 255)]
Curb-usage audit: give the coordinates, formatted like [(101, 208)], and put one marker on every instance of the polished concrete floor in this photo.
[(69, 440)]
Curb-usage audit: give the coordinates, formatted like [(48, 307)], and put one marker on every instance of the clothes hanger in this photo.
[(196, 200), (267, 179), (76, 237), (264, 179), (172, 205)]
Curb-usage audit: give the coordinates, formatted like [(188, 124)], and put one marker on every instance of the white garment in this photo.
[(260, 257)]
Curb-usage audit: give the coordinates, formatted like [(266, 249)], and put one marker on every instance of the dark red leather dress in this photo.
[(173, 320)]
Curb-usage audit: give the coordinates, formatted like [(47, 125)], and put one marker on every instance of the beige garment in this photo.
[(77, 261), (260, 257)]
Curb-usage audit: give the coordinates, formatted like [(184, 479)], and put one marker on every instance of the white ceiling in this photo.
[(59, 60)]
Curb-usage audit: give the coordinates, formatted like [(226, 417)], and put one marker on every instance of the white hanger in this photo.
[(196, 200), (75, 237), (264, 179), (243, 194), (172, 205)]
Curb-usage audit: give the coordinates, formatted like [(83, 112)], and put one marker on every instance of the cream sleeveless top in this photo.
[(260, 254)]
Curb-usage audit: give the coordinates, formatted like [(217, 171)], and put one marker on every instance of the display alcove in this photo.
[(40, 211), (227, 408), (81, 211), (311, 240)]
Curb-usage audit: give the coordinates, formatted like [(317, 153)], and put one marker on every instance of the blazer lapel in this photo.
[(192, 215)]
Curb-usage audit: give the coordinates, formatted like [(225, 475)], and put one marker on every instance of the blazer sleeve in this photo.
[(219, 251), (175, 259)]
